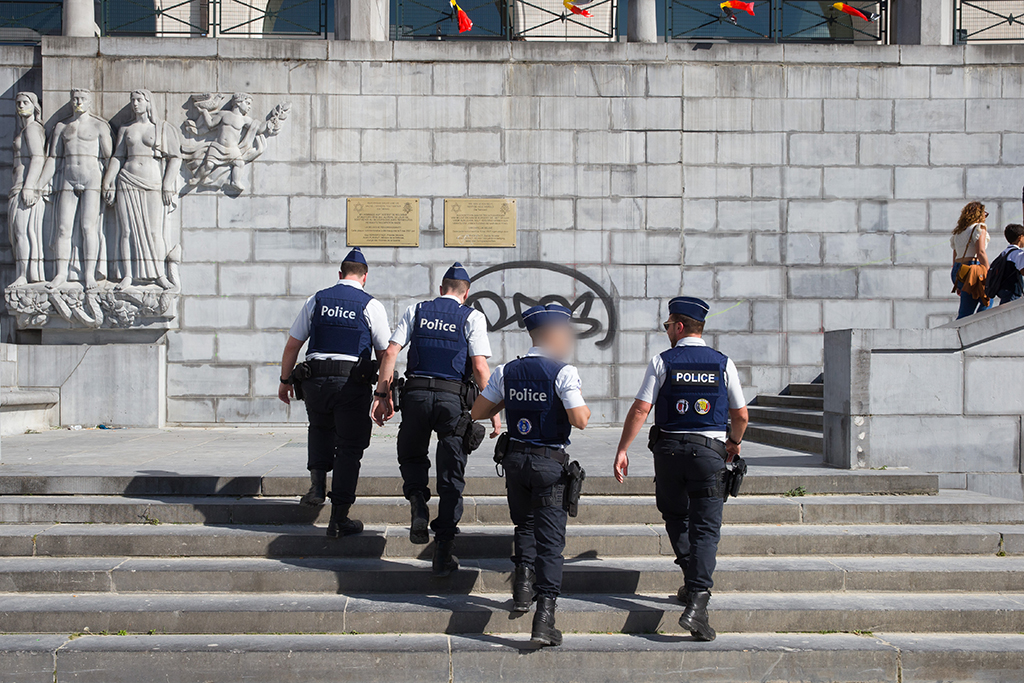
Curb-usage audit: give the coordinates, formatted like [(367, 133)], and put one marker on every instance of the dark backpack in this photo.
[(1003, 276)]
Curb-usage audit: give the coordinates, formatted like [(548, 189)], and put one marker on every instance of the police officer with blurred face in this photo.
[(448, 352), (345, 327), (543, 401), (699, 418)]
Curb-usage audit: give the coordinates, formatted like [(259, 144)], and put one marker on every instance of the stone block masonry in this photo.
[(803, 188)]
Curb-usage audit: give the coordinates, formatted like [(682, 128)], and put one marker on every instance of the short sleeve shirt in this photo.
[(476, 330), (568, 385), (375, 315)]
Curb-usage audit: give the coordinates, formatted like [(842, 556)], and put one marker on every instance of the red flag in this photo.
[(576, 10), (852, 11), (465, 23), (747, 7)]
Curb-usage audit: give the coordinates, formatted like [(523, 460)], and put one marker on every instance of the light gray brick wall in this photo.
[(798, 188)]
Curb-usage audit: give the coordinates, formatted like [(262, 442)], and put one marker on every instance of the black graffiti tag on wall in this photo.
[(582, 307)]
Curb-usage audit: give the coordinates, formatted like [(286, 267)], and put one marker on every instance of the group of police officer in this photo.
[(699, 420)]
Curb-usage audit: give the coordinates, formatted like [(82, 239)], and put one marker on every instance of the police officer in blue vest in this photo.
[(543, 401), (345, 327), (699, 418), (448, 352)]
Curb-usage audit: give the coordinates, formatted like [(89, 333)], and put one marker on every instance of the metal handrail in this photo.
[(777, 21), (988, 21)]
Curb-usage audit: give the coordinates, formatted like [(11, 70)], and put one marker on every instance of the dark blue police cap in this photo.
[(355, 256), (456, 272), (690, 306), (549, 314)]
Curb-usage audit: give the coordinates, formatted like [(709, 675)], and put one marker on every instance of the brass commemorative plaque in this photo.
[(383, 222), (479, 222)]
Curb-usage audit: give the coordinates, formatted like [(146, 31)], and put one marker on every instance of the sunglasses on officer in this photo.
[(670, 323)]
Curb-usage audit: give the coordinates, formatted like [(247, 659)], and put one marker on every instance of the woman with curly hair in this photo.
[(970, 262)]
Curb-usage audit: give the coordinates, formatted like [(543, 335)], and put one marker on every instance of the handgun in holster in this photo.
[(731, 478), (575, 475), (397, 387), (300, 373), (501, 447), (653, 436)]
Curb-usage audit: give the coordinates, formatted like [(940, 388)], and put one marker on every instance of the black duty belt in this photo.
[(714, 444), (435, 384), (557, 454), (331, 368)]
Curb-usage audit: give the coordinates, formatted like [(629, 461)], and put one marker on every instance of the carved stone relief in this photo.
[(89, 207)]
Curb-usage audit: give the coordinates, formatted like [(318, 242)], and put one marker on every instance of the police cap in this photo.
[(549, 314), (690, 306), (355, 256), (456, 272)]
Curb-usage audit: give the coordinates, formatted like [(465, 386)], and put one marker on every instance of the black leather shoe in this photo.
[(341, 525), (682, 595), (418, 530), (544, 631), (522, 588), (317, 493), (444, 562), (695, 616)]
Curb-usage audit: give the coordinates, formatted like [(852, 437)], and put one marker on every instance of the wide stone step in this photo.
[(786, 417), (594, 658), (808, 389), (792, 402), (489, 613), (760, 481), (652, 575), (808, 440), (947, 506), (582, 541)]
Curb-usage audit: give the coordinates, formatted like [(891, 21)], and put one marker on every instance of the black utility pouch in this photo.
[(500, 451), (652, 437), (471, 433)]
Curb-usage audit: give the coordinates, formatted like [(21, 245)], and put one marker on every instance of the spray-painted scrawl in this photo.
[(91, 204)]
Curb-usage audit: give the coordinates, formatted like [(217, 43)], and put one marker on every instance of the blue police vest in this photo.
[(438, 345), (694, 397), (534, 412), (339, 322)]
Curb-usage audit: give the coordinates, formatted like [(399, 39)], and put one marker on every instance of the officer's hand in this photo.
[(377, 412), (621, 466), (285, 392), (733, 449), (496, 426)]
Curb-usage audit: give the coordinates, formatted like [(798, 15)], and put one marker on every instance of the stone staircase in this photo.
[(852, 576), (792, 419)]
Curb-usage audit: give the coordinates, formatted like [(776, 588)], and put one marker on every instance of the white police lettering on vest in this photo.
[(527, 394), (695, 377), (438, 325), (337, 312)]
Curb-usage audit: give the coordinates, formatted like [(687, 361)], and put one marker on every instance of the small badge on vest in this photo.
[(682, 406), (524, 426), (695, 378), (702, 406)]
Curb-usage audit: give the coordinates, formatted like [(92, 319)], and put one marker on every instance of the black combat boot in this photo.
[(683, 595), (418, 531), (317, 493), (340, 524), (444, 562), (544, 631), (522, 588), (695, 616)]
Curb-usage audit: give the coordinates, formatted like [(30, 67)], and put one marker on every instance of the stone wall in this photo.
[(946, 400), (815, 187)]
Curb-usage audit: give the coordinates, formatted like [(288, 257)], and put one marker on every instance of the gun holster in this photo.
[(365, 370), (397, 388), (300, 373), (653, 436), (500, 451), (731, 478), (575, 474)]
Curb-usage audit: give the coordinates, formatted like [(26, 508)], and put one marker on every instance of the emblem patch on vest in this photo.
[(524, 426), (682, 406), (702, 406)]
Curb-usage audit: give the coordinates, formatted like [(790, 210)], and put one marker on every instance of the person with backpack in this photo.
[(1004, 278), (970, 262)]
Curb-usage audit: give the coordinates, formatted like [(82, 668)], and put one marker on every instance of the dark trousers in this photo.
[(540, 529), (339, 430), (693, 523), (425, 412)]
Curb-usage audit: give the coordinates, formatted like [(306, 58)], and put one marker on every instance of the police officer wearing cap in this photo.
[(448, 352), (543, 401), (345, 327), (699, 418)]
